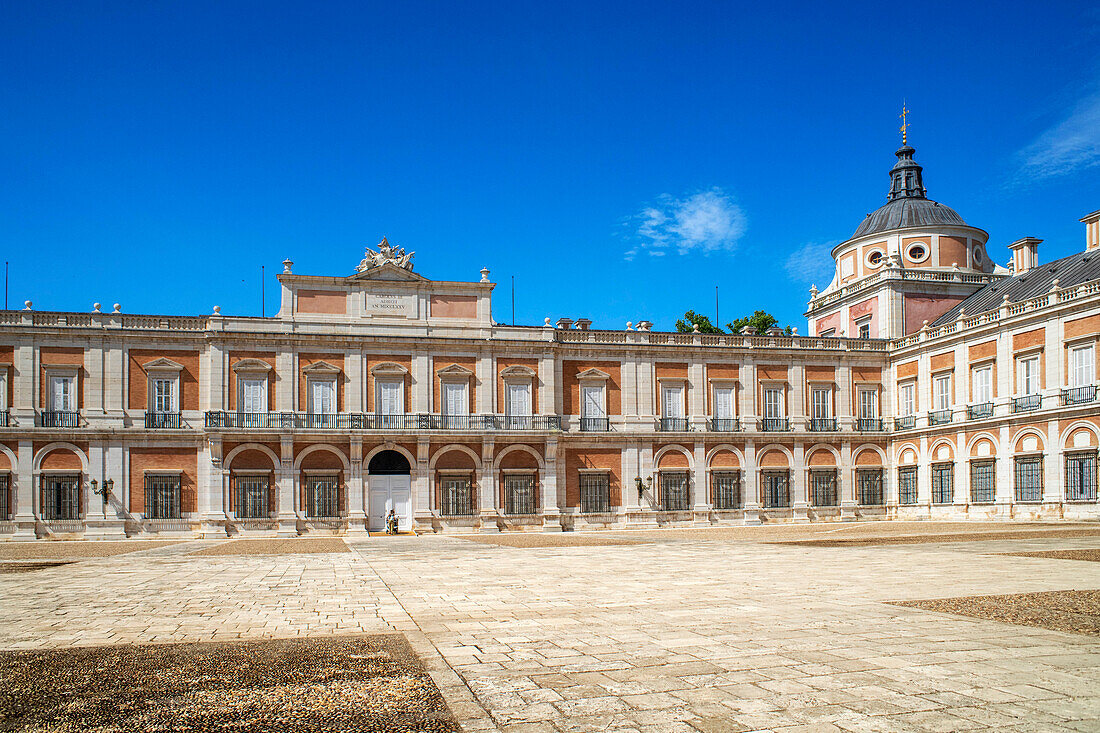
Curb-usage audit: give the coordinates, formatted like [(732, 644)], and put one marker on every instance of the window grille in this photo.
[(5, 496), (1081, 476), (322, 497), (251, 497), (943, 489), (823, 487), (1029, 478), (869, 486), (983, 486), (907, 485), (519, 493), (457, 497), (674, 491), (777, 491), (595, 493), (725, 489), (162, 497), (61, 497)]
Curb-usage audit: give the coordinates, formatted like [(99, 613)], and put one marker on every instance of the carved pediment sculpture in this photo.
[(386, 254)]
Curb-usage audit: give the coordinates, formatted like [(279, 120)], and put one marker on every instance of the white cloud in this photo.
[(1072, 144), (705, 221), (811, 263)]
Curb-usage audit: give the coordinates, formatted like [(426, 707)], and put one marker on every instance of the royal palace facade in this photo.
[(931, 383)]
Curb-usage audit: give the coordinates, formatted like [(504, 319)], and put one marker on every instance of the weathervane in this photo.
[(904, 124)]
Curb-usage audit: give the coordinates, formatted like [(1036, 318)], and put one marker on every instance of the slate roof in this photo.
[(908, 212), (1069, 272)]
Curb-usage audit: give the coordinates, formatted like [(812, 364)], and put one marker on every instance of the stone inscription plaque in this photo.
[(399, 305)]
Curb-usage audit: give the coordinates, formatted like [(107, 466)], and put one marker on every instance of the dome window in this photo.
[(979, 255), (875, 258), (917, 252)]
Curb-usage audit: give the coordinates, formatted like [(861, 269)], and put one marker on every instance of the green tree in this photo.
[(692, 319), (759, 320)]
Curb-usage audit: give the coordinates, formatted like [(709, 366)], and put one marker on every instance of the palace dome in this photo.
[(907, 205)]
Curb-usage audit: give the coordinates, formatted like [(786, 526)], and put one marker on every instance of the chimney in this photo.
[(1025, 254), (1092, 231)]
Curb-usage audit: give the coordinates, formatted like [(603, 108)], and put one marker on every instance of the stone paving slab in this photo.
[(689, 633)]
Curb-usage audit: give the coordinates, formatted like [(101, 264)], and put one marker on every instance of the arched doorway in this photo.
[(390, 487)]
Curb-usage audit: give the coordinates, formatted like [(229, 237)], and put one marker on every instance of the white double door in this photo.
[(390, 492)]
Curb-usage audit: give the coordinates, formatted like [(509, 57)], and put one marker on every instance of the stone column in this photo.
[(353, 390), (423, 488), (24, 492), (796, 409), (422, 384), (629, 468), (551, 511), (356, 490), (486, 479), (845, 414), (961, 498), (628, 371), (548, 386), (699, 488), (25, 385), (751, 489), (697, 392), (924, 478), (286, 498), (847, 483), (750, 418), (799, 496), (286, 381)]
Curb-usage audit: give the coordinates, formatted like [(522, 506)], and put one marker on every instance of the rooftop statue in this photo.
[(385, 253)]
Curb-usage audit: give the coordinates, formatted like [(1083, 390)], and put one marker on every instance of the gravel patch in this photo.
[(565, 539), (921, 539), (76, 549), (360, 683), (11, 567), (1090, 555), (1075, 611), (289, 546)]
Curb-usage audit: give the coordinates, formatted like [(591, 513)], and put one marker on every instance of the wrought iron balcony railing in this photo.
[(1027, 403), (870, 425), (939, 417), (595, 424), (673, 425), (979, 411), (5, 418), (823, 424), (163, 420), (725, 424), (1079, 395), (60, 419), (775, 424), (905, 423), (408, 422)]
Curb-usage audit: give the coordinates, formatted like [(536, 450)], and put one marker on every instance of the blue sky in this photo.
[(619, 160)]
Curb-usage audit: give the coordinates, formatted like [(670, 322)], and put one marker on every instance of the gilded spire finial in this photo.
[(904, 124)]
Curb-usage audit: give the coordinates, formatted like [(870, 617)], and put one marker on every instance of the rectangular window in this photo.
[(983, 485), (723, 403), (390, 402), (941, 392), (1027, 375), (983, 385), (322, 496), (1081, 476), (863, 329), (906, 405), (868, 404), (61, 497), (725, 489), (823, 487), (162, 497), (1029, 478), (519, 493), (773, 403), (251, 497), (63, 394), (672, 400), (456, 405), (322, 397), (869, 486), (907, 485), (519, 399), (1082, 370), (943, 490), (457, 498), (595, 493), (592, 401), (164, 395), (777, 491), (819, 403), (5, 496), (674, 491), (253, 395)]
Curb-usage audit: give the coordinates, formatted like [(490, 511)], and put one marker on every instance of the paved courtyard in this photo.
[(684, 630)]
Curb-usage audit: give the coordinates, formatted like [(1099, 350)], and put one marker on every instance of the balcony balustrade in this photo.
[(724, 424), (5, 418), (1079, 395), (163, 420), (905, 423), (60, 419), (939, 417), (595, 424), (1027, 403), (823, 424), (870, 425), (775, 424), (979, 411), (408, 422), (673, 425)]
